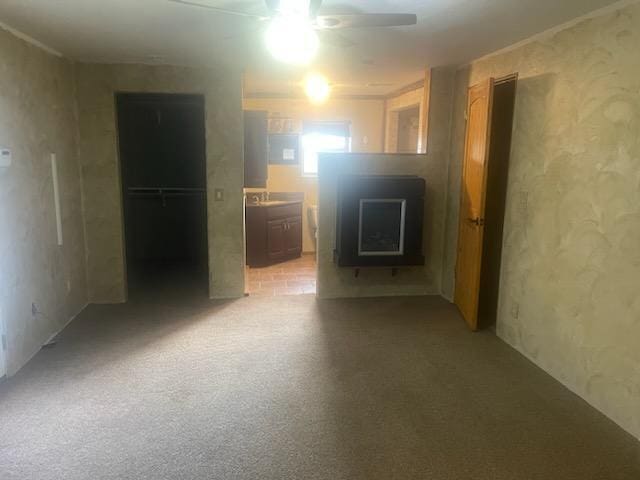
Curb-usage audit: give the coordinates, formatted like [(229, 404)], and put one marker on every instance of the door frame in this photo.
[(120, 97), (493, 159), (462, 220)]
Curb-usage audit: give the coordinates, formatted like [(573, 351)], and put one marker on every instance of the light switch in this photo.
[(218, 194), (5, 157)]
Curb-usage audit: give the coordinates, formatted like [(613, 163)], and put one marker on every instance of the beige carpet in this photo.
[(293, 388)]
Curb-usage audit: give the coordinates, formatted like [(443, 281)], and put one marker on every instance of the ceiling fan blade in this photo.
[(334, 39), (365, 20), (314, 6), (272, 6), (362, 85), (224, 11), (242, 33)]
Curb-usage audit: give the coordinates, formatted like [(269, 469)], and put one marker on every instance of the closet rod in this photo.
[(163, 189)]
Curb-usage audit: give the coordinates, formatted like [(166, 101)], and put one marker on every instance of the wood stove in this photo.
[(379, 221)]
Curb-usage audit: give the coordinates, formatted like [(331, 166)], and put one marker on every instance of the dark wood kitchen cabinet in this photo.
[(274, 232), (293, 236), (256, 148), (275, 240)]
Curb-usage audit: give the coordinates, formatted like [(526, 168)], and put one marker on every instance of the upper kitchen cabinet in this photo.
[(256, 148)]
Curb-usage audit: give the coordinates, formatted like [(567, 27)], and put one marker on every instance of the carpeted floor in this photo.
[(294, 388)]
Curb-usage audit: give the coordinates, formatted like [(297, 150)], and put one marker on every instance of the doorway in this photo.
[(163, 168), (490, 110), (409, 130)]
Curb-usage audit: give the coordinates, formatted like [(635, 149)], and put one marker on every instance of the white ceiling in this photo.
[(382, 60)]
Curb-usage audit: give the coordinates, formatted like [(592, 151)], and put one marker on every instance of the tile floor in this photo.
[(294, 277)]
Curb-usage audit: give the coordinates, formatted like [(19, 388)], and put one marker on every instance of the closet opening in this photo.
[(163, 169)]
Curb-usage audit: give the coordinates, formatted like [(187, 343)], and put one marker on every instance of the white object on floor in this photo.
[(313, 219)]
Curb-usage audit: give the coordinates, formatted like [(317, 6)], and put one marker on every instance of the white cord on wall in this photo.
[(56, 197)]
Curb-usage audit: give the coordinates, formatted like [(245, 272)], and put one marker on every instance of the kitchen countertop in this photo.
[(273, 203)]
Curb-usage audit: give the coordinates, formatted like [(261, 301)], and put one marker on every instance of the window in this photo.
[(322, 137)]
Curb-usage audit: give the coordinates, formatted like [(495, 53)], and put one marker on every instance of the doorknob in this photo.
[(478, 221)]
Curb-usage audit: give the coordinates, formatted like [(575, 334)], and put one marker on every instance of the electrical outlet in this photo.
[(5, 157)]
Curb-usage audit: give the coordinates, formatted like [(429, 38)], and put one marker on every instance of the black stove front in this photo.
[(380, 221)]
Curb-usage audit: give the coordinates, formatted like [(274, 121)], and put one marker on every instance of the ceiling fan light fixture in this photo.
[(294, 7), (317, 88), (292, 39)]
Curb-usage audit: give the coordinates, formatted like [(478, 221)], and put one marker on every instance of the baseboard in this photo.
[(37, 349), (572, 388), (73, 317)]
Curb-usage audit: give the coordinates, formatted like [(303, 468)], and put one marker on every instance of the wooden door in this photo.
[(293, 236), (472, 201), (275, 239)]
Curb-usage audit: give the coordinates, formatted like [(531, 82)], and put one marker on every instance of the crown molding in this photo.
[(287, 96), (30, 40), (418, 84), (600, 12)]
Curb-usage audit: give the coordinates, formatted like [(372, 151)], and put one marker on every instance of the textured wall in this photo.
[(97, 85), (570, 277), (37, 118), (366, 117)]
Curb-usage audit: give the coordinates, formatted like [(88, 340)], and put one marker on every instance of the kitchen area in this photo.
[(280, 210)]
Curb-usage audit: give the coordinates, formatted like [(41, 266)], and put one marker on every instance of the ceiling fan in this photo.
[(295, 24), (320, 22)]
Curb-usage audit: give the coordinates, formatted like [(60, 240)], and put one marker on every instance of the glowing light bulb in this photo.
[(292, 39), (317, 88)]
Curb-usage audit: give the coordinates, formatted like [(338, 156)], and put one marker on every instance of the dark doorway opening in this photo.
[(163, 168), (502, 111)]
